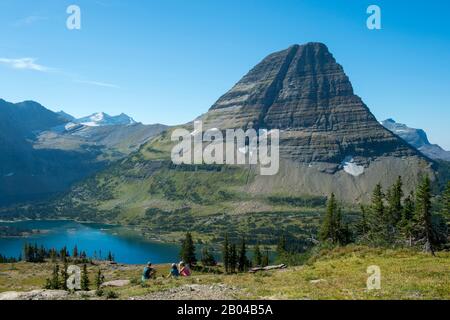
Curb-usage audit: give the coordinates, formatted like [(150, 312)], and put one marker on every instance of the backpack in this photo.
[(147, 272)]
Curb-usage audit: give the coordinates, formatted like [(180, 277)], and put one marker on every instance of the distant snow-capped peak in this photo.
[(102, 119)]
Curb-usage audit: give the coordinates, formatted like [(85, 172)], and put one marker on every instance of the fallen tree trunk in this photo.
[(268, 268)]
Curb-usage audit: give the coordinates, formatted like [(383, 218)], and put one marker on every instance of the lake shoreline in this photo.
[(90, 222), (129, 245)]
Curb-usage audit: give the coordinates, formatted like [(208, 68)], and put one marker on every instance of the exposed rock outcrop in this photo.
[(35, 295), (305, 93), (116, 283)]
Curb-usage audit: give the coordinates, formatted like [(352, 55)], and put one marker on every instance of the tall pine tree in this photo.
[(233, 258), (424, 215), (327, 231), (378, 221), (257, 257), (53, 282), (64, 276), (281, 246), (265, 258), (394, 199), (226, 254), (446, 202), (85, 279), (99, 279), (207, 257), (75, 252), (243, 261), (406, 224), (333, 229), (187, 252)]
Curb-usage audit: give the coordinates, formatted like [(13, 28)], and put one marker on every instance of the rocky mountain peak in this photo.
[(415, 137), (304, 92), (418, 138), (275, 87)]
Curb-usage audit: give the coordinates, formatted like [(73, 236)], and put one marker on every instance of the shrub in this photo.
[(112, 295)]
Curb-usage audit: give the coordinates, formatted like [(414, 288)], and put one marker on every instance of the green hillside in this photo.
[(164, 200), (337, 274)]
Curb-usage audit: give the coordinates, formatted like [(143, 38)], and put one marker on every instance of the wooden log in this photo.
[(268, 268)]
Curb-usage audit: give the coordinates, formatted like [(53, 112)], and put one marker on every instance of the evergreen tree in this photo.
[(53, 283), (41, 254), (265, 259), (328, 228), (226, 254), (362, 227), (242, 260), (257, 257), (394, 199), (83, 257), (343, 234), (99, 279), (378, 202), (446, 202), (424, 215), (406, 224), (63, 254), (281, 246), (207, 258), (53, 255), (26, 253), (75, 252), (84, 279), (4, 259), (378, 222), (333, 229), (35, 253), (64, 276), (110, 256), (281, 250), (233, 258), (187, 252), (339, 227)]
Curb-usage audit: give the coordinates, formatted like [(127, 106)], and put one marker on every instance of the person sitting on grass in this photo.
[(185, 271), (148, 273), (174, 273)]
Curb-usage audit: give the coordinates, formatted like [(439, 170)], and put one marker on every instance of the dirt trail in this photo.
[(194, 292)]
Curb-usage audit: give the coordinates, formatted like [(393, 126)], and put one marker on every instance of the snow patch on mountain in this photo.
[(102, 119), (351, 167)]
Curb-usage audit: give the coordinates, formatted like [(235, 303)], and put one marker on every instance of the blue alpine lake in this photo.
[(127, 245)]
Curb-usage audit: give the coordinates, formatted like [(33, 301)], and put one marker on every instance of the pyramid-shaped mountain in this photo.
[(305, 93), (329, 140)]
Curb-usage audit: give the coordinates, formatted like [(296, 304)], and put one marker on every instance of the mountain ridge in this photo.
[(104, 119), (43, 153), (418, 138)]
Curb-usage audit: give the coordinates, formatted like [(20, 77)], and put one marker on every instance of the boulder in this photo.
[(116, 283), (35, 295)]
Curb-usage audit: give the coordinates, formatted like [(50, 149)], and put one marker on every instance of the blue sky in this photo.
[(169, 60)]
